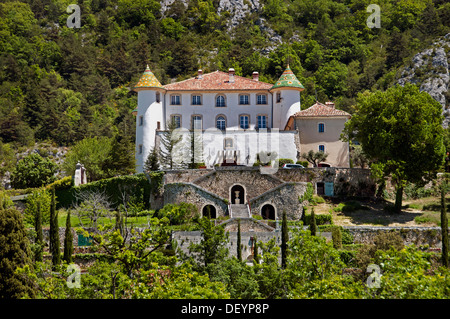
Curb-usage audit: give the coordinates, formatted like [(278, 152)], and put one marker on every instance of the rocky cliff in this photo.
[(430, 70)]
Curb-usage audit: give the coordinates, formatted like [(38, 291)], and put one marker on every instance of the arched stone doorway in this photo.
[(237, 194), (209, 211), (268, 211)]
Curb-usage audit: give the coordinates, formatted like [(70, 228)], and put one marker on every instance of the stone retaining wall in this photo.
[(419, 236)]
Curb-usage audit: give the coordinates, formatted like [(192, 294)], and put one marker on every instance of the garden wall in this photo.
[(419, 236)]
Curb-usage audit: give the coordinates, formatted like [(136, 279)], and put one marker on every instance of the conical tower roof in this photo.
[(288, 80), (148, 80)]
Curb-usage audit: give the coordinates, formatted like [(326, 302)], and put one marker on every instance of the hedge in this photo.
[(321, 219), (283, 161), (133, 185)]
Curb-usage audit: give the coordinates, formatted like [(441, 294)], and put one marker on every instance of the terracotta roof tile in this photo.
[(217, 81), (321, 110)]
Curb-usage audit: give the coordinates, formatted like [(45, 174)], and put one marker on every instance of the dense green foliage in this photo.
[(33, 171), (15, 253), (400, 130), (64, 85)]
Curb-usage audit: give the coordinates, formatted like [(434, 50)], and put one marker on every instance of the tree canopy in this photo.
[(400, 130)]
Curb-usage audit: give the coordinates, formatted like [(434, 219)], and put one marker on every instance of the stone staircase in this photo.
[(239, 211)]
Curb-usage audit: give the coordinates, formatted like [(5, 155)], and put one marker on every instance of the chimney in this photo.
[(200, 74), (231, 75), (330, 104), (255, 76)]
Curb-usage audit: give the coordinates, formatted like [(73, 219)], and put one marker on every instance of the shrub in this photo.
[(115, 188), (33, 171), (303, 163), (178, 213), (283, 161), (321, 219)]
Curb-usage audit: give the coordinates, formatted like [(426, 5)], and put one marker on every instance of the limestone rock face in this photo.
[(237, 10), (429, 70)]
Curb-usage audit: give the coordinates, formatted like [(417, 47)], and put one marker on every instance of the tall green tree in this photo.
[(92, 153), (39, 236), (212, 248), (14, 252), (33, 171), (238, 244), (169, 152), (400, 130), (444, 225), (312, 223), (68, 241), (151, 163), (54, 232), (284, 240)]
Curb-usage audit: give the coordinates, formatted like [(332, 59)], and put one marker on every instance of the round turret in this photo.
[(149, 115), (286, 98)]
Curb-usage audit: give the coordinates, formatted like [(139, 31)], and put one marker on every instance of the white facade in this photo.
[(237, 117)]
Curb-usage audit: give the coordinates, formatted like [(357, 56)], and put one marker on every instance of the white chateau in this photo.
[(237, 118)]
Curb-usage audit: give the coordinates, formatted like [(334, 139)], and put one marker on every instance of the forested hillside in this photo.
[(61, 85)]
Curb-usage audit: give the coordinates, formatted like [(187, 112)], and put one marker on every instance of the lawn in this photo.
[(415, 212)]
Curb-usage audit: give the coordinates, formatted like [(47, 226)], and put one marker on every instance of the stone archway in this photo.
[(237, 194), (268, 212), (209, 211)]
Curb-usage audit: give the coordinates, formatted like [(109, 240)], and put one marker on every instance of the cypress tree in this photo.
[(444, 227), (312, 223), (255, 250), (284, 240), (151, 163), (39, 236), (239, 248), (54, 233), (14, 252), (68, 241), (119, 223)]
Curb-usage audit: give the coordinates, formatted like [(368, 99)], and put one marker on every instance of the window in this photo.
[(196, 122), (158, 97), (261, 99), (140, 148), (278, 97), (175, 100), (196, 100), (220, 101), (322, 148), (244, 121), (176, 119), (221, 123), (243, 99), (321, 127), (262, 121), (141, 120)]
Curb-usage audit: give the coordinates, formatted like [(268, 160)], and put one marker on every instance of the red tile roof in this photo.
[(321, 110), (217, 81)]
